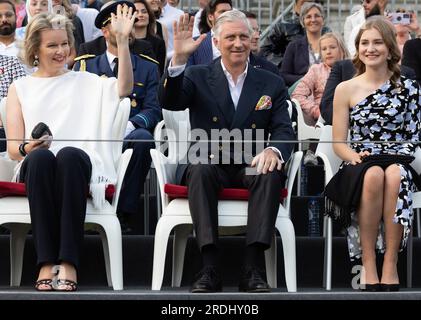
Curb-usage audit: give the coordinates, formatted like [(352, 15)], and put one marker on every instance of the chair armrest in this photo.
[(293, 164), (158, 135), (165, 172), (121, 171)]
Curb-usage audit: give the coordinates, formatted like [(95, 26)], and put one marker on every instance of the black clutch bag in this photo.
[(41, 129)]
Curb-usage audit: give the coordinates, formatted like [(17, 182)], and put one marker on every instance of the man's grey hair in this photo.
[(231, 16), (307, 6)]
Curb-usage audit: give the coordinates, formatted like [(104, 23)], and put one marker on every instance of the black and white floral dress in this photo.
[(388, 114)]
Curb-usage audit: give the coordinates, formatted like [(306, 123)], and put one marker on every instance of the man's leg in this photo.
[(204, 183)]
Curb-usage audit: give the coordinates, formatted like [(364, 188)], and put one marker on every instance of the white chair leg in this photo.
[(271, 263), (18, 234), (181, 233), (162, 233), (409, 252), (112, 230), (106, 255), (287, 232), (328, 256)]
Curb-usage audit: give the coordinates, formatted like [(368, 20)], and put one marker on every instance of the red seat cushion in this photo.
[(175, 191), (15, 189)]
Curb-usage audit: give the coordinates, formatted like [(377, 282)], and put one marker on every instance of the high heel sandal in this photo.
[(374, 287), (44, 282), (69, 285)]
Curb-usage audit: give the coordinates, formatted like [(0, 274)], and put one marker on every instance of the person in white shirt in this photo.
[(169, 14), (202, 5), (7, 28), (371, 8)]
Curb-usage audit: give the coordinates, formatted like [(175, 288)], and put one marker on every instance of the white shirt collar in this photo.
[(229, 76), (110, 58)]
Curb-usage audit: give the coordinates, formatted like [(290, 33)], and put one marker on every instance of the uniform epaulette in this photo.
[(85, 56), (148, 58)]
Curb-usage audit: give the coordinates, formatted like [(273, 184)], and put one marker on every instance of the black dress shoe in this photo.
[(253, 281), (392, 287), (207, 280), (374, 287)]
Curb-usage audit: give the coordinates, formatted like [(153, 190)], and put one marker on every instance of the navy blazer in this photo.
[(296, 62), (204, 90), (341, 71), (145, 111), (411, 56), (203, 54)]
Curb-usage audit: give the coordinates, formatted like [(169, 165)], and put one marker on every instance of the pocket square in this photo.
[(265, 103)]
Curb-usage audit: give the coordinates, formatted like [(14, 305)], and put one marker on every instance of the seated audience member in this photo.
[(168, 16), (59, 174), (160, 30), (10, 70), (411, 56), (87, 16), (371, 8), (284, 32), (207, 51), (302, 53), (33, 7), (8, 29), (255, 59), (198, 17), (144, 114), (310, 89), (215, 102), (356, 18), (371, 194), (98, 46), (77, 27), (403, 31), (20, 8), (204, 25), (145, 30)]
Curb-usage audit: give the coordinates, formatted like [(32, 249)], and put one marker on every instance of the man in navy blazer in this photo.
[(229, 95), (145, 111)]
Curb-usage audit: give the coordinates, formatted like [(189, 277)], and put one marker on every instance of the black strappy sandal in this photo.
[(69, 285), (44, 282)]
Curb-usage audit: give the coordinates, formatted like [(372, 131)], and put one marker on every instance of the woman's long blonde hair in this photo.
[(388, 34)]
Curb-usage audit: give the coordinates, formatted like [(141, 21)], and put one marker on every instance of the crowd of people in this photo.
[(212, 63)]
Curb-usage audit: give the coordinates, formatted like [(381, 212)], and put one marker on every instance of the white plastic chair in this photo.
[(304, 132), (14, 214), (231, 214), (331, 163)]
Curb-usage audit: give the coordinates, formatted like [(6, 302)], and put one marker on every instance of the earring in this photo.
[(389, 57), (36, 61)]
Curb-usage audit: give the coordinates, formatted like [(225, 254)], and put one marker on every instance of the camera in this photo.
[(41, 129), (401, 18)]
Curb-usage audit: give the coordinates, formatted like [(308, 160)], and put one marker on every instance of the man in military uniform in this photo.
[(145, 112), (98, 46)]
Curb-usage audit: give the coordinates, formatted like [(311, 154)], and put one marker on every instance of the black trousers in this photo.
[(204, 181), (57, 189)]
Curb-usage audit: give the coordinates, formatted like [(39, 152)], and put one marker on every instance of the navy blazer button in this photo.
[(215, 119), (253, 126)]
